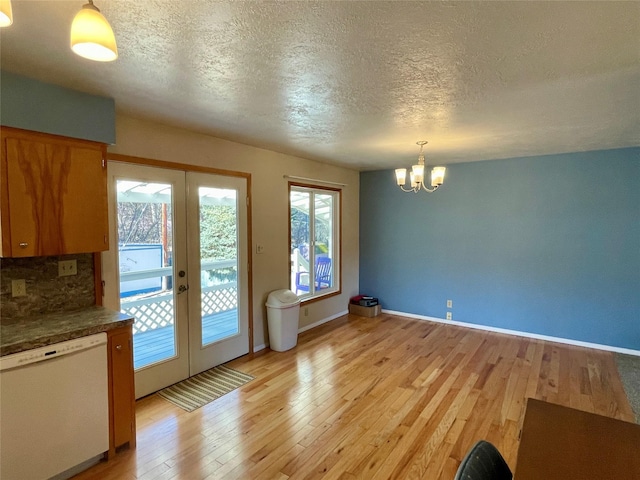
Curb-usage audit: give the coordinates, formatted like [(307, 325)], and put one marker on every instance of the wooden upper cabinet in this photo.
[(54, 195)]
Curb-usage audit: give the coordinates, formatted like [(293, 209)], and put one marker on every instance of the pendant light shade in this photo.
[(92, 36), (6, 15)]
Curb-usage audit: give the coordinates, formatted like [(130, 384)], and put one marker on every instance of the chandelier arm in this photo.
[(409, 190), (430, 190)]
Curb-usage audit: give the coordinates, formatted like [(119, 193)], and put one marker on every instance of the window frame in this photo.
[(336, 219)]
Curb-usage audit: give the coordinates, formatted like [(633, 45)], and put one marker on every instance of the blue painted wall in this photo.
[(32, 105), (547, 245)]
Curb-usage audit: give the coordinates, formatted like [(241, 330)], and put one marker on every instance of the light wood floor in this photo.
[(386, 397)]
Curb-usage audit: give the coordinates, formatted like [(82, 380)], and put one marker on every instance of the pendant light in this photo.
[(6, 15), (92, 36)]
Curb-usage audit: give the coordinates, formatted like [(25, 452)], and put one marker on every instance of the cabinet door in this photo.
[(57, 196), (122, 393)]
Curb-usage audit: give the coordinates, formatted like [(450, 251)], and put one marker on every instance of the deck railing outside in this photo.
[(155, 310)]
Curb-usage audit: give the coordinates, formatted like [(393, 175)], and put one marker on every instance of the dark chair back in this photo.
[(323, 276), (323, 272), (483, 462)]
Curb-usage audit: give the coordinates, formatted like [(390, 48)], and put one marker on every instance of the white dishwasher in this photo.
[(54, 409)]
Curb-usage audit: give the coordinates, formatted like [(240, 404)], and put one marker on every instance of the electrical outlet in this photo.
[(259, 248), (448, 315), (67, 268), (449, 303), (306, 311), (18, 288)]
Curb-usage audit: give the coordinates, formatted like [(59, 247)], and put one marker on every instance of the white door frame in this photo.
[(156, 376), (148, 383), (205, 357)]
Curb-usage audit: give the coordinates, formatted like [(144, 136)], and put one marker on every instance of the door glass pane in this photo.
[(145, 241), (218, 264)]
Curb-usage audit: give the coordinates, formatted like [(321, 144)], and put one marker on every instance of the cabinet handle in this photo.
[(118, 347), (23, 244)]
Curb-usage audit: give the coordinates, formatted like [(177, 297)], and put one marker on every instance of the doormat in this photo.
[(196, 391)]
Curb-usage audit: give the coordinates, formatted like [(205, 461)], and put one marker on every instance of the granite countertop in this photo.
[(41, 330)]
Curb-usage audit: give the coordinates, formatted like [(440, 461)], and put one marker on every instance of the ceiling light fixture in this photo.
[(6, 14), (417, 175), (92, 36)]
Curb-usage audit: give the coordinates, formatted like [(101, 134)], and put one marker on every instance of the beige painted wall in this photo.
[(269, 210)]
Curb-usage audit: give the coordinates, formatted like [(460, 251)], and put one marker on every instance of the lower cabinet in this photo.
[(122, 419)]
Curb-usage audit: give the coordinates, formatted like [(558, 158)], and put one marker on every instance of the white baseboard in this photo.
[(262, 346), (518, 333), (506, 331), (324, 320)]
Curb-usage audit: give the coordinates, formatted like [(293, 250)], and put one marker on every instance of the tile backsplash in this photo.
[(46, 291)]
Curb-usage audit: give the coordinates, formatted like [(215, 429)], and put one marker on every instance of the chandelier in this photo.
[(417, 175)]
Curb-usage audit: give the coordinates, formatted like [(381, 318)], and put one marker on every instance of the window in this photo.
[(314, 246)]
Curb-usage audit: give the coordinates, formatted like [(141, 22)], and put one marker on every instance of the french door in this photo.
[(180, 268)]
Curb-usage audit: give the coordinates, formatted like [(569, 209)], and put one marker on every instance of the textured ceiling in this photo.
[(357, 83)]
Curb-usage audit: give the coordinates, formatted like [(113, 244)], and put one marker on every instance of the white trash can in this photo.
[(283, 311)]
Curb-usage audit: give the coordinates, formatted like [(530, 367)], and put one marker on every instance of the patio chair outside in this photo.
[(323, 276)]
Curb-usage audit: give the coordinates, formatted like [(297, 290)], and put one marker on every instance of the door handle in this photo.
[(183, 288)]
